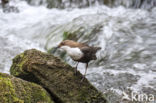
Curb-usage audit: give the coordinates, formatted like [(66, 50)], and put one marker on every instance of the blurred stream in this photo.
[(125, 32)]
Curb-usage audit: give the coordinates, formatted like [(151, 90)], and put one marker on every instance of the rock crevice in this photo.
[(15, 90)]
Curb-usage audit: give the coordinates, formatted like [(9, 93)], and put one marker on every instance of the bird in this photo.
[(79, 52)]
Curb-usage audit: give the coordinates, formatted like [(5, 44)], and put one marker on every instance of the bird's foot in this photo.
[(75, 72), (82, 78)]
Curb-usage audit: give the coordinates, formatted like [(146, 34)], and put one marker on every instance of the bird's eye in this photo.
[(62, 43)]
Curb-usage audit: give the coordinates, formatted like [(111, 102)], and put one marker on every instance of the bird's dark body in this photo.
[(88, 52)]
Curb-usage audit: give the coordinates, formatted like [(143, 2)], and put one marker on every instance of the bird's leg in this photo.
[(76, 68), (85, 72)]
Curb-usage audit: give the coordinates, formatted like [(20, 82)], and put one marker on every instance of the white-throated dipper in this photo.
[(79, 52)]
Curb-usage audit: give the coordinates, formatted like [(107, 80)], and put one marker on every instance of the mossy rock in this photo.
[(56, 76), (15, 90), (69, 36)]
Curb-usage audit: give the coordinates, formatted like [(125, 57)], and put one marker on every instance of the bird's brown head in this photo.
[(61, 44), (67, 43)]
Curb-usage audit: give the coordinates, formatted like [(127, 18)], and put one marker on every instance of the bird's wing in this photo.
[(84, 44), (85, 49)]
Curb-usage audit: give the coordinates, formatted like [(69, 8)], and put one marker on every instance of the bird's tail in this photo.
[(96, 49), (94, 52)]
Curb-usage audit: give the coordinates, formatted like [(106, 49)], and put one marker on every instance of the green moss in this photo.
[(40, 94), (7, 91), (14, 90), (68, 35), (17, 69)]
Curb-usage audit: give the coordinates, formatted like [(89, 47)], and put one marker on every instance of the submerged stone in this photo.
[(56, 76)]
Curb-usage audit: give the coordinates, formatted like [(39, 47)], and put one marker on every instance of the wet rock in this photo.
[(36, 2), (146, 4), (4, 1), (15, 90), (56, 77), (7, 8)]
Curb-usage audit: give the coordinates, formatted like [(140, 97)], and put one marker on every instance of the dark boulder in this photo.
[(56, 76)]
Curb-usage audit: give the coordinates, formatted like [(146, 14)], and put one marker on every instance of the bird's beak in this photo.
[(59, 46)]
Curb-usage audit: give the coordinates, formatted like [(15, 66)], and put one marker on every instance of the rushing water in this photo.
[(127, 61)]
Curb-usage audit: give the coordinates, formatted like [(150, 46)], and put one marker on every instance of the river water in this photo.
[(127, 36)]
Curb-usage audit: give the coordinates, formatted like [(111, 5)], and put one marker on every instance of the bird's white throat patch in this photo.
[(74, 53)]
